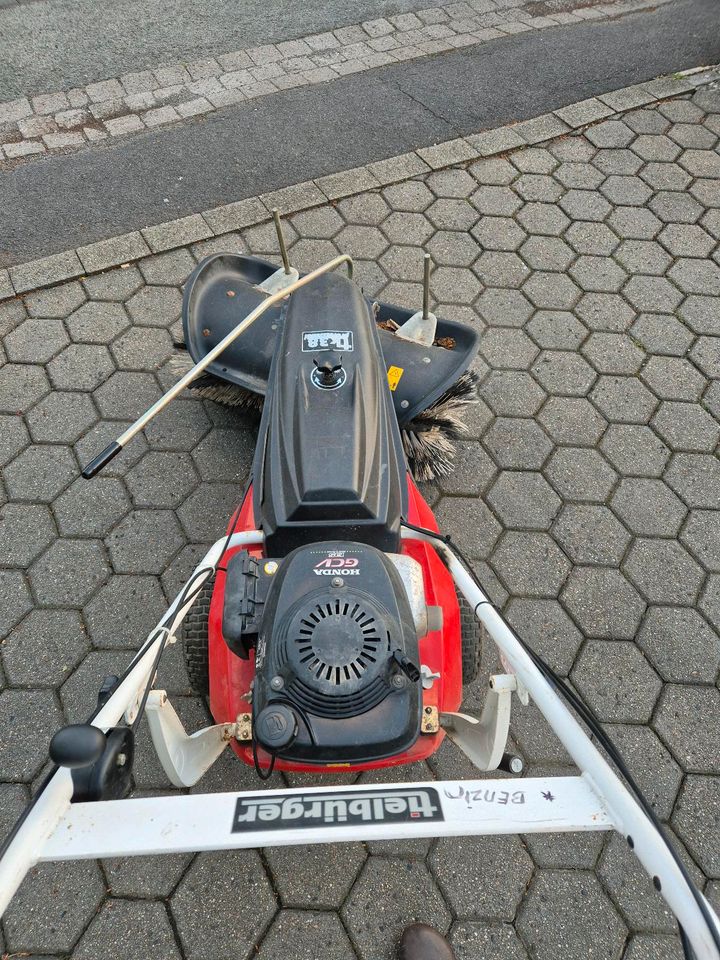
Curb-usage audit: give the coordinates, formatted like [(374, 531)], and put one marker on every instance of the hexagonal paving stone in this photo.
[(673, 207), (643, 256), (35, 341), (498, 233), (563, 373), (701, 163), (506, 308), (40, 473), (97, 322), (25, 531), (686, 240), (496, 268), (13, 438), (696, 276), (472, 939), (472, 470), (616, 681), (55, 301), (591, 238), (551, 291), (696, 479), (581, 475), (155, 306), (21, 386), (661, 334), (29, 718), (590, 534), (680, 644), (648, 507), (315, 878), (555, 329), (572, 421), (706, 355), (365, 209), (517, 443), (635, 450), (123, 612), (409, 895), (410, 228), (547, 253), (44, 648), (53, 906), (470, 524), (90, 510), (492, 201), (563, 912), (603, 603), (61, 418), (613, 353), (530, 564), (663, 571), (224, 455), (445, 247), (580, 175), (145, 541), (308, 932), (698, 801), (126, 395), (80, 367), (180, 426), (162, 479), (634, 223), (142, 348), (598, 274), (523, 501), (498, 870), (652, 294), (413, 195), (700, 314), (605, 311), (15, 600), (632, 889), (69, 572), (207, 511), (701, 535), (545, 219), (651, 765), (688, 720), (122, 926), (319, 223), (545, 626), (206, 927), (508, 348), (623, 399), (610, 133), (113, 285), (710, 601), (454, 285), (585, 205), (665, 176), (449, 214)]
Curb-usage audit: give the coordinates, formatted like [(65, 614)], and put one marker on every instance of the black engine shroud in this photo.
[(336, 676)]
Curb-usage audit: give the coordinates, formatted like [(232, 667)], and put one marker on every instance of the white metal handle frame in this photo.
[(627, 816), (26, 841)]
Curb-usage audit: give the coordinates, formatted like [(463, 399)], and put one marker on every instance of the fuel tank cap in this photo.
[(276, 726)]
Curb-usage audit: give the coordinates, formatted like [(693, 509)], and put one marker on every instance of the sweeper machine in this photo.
[(333, 627)]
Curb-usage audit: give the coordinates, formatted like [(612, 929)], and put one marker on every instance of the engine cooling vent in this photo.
[(339, 649)]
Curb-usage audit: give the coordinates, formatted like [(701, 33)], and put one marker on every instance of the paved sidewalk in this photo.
[(587, 493)]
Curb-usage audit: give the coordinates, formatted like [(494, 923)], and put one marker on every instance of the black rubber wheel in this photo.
[(472, 633), (195, 641)]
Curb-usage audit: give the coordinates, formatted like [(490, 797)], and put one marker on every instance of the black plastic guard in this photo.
[(222, 290)]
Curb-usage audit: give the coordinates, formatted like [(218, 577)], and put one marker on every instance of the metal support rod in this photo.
[(117, 445), (427, 262), (281, 239)]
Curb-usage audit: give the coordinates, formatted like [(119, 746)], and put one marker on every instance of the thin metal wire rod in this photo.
[(281, 239), (117, 445)]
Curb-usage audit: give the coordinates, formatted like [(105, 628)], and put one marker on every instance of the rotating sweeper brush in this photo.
[(426, 359)]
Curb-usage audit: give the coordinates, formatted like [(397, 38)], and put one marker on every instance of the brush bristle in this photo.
[(427, 439)]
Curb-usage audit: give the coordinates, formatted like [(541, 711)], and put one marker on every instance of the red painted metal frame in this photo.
[(230, 676)]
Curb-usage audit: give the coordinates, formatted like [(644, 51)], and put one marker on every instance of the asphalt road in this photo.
[(65, 200), (59, 43)]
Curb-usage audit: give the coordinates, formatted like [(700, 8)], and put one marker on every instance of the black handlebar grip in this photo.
[(101, 460)]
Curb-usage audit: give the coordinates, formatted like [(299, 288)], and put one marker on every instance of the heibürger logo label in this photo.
[(336, 809), (332, 566)]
